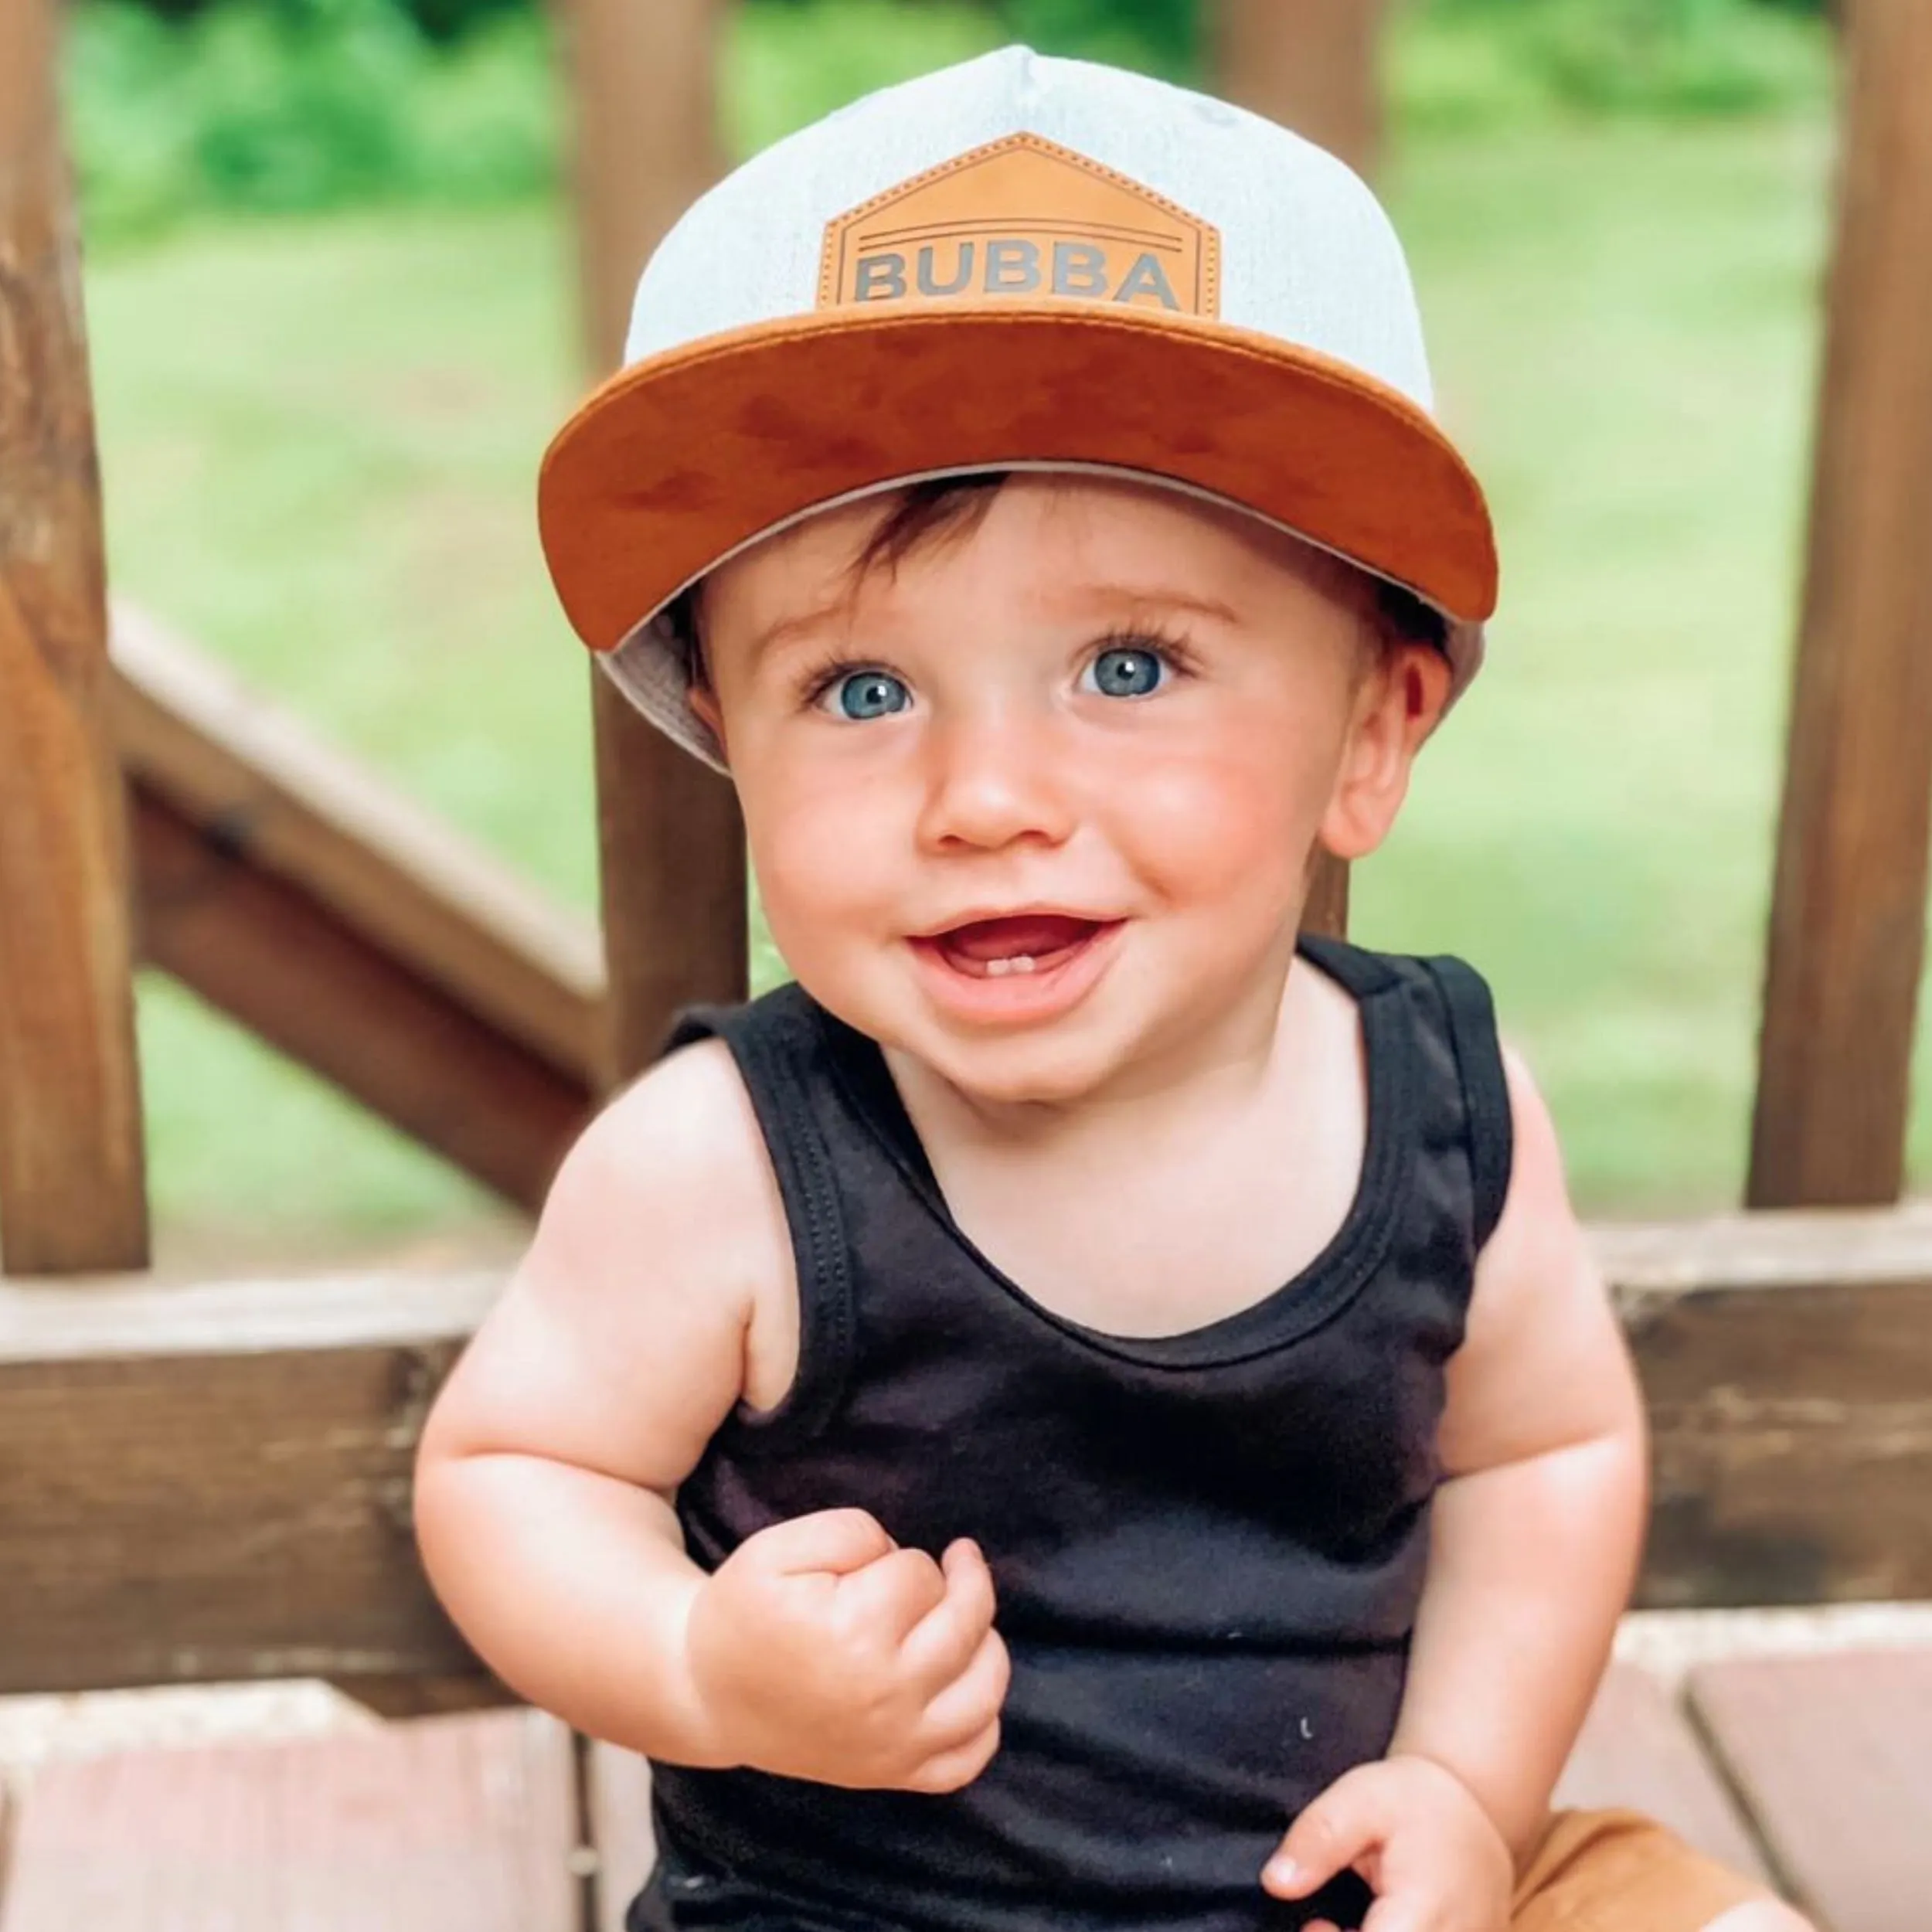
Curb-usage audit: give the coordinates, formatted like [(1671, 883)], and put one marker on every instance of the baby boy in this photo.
[(1087, 1409)]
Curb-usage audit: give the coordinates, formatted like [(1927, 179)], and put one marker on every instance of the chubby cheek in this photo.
[(1222, 827), (830, 863)]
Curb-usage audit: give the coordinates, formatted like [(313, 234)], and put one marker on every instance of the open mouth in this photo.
[(1022, 945)]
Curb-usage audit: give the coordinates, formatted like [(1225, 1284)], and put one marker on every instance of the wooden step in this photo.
[(1833, 1754), (618, 1803), (439, 1823), (1638, 1749)]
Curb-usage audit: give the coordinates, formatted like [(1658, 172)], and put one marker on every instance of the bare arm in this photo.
[(1539, 1522), (544, 1479), (660, 1288)]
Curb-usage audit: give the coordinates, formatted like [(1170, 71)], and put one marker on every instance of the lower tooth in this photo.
[(999, 968)]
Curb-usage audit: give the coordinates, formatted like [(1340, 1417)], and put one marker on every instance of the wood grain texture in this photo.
[(1833, 1756), (671, 842), (634, 174), (450, 1824), (1786, 1357), (72, 1190), (1312, 64), (277, 959), (1848, 920), (1791, 1432), (672, 870), (617, 1795), (211, 1482), (252, 777), (1638, 1750)]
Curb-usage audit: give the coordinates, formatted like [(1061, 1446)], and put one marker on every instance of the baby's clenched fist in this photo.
[(820, 1649)]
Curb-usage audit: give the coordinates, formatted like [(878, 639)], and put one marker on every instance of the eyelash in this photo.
[(816, 679), (1170, 647), (1173, 650)]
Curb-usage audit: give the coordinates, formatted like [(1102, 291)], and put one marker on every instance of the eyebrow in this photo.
[(1155, 594), (788, 630)]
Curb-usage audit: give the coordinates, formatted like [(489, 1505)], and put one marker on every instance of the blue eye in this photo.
[(1124, 671), (860, 695)]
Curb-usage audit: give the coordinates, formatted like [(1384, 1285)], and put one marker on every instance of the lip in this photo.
[(982, 915), (1016, 999)]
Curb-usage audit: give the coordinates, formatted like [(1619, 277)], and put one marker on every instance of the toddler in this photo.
[(1086, 1411)]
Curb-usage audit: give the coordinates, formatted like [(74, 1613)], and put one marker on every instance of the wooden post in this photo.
[(72, 1188), (1312, 66), (1309, 64), (1848, 917), (671, 842)]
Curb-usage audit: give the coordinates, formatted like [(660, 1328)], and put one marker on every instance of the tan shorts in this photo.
[(1620, 1871)]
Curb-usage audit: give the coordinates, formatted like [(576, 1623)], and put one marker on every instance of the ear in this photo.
[(1398, 704), (703, 701)]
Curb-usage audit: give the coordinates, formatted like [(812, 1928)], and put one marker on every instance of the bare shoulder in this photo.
[(1543, 1361), (675, 1164), (644, 1308)]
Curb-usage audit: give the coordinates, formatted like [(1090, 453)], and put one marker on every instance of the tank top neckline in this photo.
[(1309, 1299)]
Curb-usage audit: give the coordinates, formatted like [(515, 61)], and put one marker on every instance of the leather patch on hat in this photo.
[(1022, 219)]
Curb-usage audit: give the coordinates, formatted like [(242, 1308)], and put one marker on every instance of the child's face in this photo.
[(1037, 805)]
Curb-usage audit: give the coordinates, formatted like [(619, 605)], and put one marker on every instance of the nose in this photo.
[(992, 781)]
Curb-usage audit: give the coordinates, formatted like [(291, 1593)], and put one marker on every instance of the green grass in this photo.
[(320, 442), (1624, 325)]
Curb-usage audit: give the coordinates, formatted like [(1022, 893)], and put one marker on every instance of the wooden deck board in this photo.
[(1639, 1749), (472, 1820), (1833, 1754), (618, 1794), (447, 1822)]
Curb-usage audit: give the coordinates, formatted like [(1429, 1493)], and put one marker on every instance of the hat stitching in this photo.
[(1037, 144)]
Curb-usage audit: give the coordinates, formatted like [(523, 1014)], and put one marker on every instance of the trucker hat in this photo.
[(1017, 263)]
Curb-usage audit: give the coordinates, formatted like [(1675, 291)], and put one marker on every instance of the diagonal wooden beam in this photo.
[(262, 786), (1848, 918), (316, 906), (72, 1184), (274, 958)]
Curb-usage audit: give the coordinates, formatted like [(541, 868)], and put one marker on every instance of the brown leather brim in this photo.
[(685, 457)]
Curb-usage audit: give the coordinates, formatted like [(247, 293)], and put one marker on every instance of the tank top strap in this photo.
[(1457, 1006), (1471, 1016), (778, 1044)]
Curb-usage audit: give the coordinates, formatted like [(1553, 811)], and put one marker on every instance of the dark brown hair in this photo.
[(952, 506)]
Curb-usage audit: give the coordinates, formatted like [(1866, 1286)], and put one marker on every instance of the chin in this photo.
[(1047, 1068)]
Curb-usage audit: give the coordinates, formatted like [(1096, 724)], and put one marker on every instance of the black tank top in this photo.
[(1208, 1548)]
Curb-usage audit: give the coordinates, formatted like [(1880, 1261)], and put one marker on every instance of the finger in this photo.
[(837, 1540), (891, 1595), (945, 1642), (1405, 1911), (1341, 1825), (965, 1707), (953, 1770)]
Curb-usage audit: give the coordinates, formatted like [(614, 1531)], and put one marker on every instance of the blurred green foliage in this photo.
[(185, 107), (285, 108), (1482, 63)]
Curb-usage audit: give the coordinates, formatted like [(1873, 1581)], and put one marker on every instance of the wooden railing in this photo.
[(208, 1482)]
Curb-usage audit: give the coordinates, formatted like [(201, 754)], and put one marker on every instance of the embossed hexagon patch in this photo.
[(1022, 219)]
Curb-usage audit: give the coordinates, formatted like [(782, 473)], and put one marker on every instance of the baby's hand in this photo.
[(820, 1649), (1416, 1833)]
